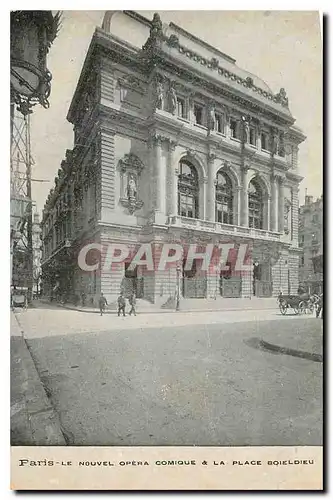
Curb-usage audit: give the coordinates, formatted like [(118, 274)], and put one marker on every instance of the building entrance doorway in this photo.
[(262, 283), (131, 283), (194, 282)]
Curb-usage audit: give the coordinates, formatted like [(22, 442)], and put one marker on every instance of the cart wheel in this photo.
[(283, 307), (302, 307)]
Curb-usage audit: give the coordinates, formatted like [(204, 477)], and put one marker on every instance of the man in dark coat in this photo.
[(132, 301), (121, 304), (102, 303)]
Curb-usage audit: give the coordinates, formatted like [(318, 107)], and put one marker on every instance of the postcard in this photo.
[(166, 250)]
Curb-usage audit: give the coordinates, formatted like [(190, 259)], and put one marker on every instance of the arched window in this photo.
[(256, 205), (224, 199), (188, 190)]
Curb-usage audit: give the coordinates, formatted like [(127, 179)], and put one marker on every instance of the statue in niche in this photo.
[(172, 99), (159, 96), (131, 189), (275, 142), (286, 215), (211, 117)]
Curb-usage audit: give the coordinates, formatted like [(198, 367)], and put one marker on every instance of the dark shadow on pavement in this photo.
[(257, 343)]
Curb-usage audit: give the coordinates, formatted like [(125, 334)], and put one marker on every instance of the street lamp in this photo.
[(32, 34), (178, 288)]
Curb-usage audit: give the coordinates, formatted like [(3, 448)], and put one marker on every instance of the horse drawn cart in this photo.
[(301, 304)]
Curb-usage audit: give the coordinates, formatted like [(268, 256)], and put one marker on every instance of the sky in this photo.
[(283, 48)]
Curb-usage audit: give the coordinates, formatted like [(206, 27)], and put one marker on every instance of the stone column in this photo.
[(281, 204), (294, 215), (210, 210), (237, 204), (267, 210), (244, 218), (258, 131), (172, 182), (274, 203), (203, 198)]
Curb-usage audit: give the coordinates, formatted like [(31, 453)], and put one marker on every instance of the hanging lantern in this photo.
[(32, 34)]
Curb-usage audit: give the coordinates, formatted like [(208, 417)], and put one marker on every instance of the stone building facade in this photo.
[(173, 142), (36, 254), (311, 244)]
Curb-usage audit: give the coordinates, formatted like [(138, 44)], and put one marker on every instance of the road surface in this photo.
[(168, 379)]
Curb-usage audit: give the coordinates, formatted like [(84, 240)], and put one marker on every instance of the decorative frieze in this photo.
[(213, 64)]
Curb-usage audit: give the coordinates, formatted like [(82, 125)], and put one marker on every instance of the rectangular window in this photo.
[(302, 260), (314, 239), (187, 206), (234, 128), (264, 141), (301, 241), (219, 123), (181, 110), (198, 113), (253, 136), (223, 213)]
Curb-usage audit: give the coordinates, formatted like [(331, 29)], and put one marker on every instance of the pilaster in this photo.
[(210, 210), (172, 180), (274, 203), (244, 219), (281, 181)]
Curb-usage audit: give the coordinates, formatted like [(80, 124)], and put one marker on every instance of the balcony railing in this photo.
[(219, 228)]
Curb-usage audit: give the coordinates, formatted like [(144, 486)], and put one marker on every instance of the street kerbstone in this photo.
[(33, 419)]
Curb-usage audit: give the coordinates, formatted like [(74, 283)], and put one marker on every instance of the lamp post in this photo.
[(178, 288), (32, 34)]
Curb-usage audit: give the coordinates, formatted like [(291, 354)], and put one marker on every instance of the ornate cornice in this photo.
[(214, 65)]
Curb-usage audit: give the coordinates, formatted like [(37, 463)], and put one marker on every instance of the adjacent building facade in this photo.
[(311, 244), (37, 254), (173, 142)]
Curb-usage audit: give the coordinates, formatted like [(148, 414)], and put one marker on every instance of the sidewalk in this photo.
[(186, 305), (33, 419)]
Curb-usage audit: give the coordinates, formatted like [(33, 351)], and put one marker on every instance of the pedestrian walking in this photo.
[(102, 303), (319, 308), (121, 304), (132, 301)]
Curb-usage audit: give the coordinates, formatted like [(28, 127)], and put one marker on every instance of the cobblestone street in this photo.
[(180, 379)]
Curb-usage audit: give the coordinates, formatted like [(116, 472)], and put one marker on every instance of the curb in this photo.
[(167, 311), (34, 422)]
